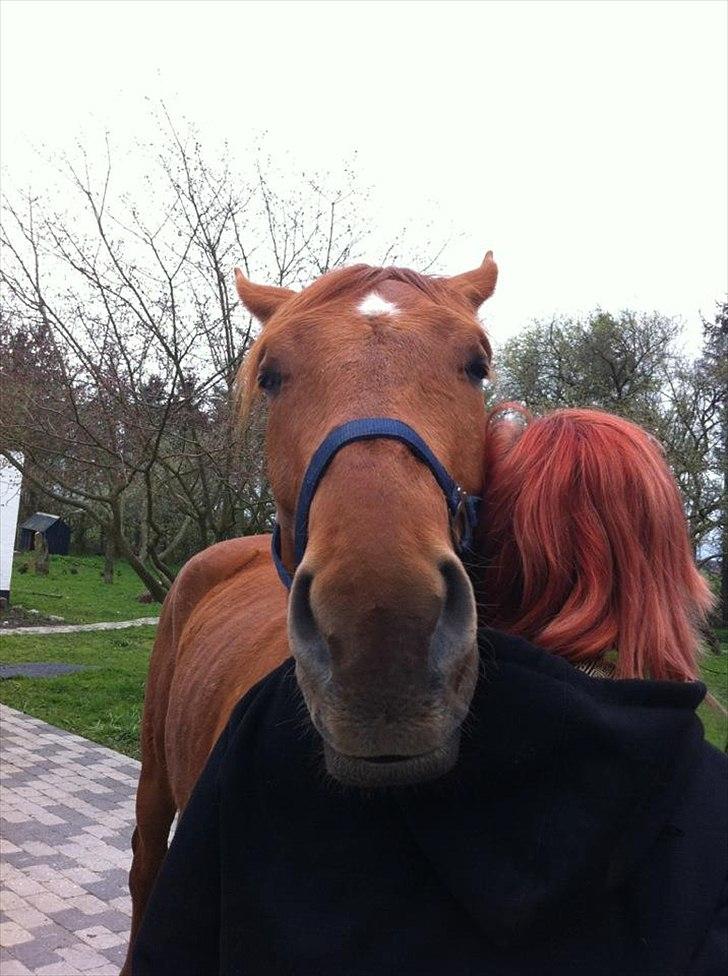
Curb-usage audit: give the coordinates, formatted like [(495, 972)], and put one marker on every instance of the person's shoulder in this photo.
[(269, 739), (703, 804), (714, 769), (708, 795)]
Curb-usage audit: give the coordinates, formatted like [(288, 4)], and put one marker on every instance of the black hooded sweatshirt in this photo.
[(583, 831)]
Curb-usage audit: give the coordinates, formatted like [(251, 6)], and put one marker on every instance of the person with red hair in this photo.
[(582, 831), (585, 545)]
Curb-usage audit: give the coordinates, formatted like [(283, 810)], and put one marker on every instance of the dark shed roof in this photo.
[(40, 521)]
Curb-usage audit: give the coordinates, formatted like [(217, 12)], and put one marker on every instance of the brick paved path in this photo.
[(66, 816)]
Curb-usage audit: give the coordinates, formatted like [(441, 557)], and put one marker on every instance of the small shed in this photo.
[(57, 533)]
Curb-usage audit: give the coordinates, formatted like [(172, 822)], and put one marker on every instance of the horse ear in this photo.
[(475, 286), (260, 300)]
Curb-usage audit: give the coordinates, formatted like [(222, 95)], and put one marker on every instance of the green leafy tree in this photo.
[(714, 366), (630, 364)]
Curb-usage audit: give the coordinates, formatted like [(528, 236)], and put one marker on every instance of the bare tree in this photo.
[(122, 336)]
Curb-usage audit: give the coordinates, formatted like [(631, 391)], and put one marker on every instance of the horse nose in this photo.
[(441, 644)]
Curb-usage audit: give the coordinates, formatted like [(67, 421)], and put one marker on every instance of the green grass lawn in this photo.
[(103, 703), (714, 672), (75, 590)]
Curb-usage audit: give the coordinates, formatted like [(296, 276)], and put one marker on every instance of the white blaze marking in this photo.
[(374, 304)]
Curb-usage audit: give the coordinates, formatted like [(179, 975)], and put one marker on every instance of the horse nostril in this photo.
[(455, 630), (307, 642), (300, 611), (458, 605)]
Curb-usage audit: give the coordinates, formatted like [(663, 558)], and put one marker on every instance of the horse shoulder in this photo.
[(228, 631)]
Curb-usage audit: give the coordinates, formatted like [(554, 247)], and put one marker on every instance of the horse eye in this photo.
[(477, 370), (269, 380)]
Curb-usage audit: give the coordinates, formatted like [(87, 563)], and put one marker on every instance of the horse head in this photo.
[(381, 614)]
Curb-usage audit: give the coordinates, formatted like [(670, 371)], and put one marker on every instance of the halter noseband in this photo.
[(463, 507)]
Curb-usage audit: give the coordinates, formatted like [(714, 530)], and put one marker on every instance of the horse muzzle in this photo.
[(382, 771), (387, 696)]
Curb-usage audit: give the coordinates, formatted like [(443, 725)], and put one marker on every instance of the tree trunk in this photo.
[(202, 532), (710, 638), (723, 609), (41, 557), (155, 586), (79, 544), (109, 557), (166, 571), (226, 526), (167, 554), (144, 537), (724, 581)]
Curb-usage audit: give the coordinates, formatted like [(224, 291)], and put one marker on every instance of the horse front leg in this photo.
[(155, 811)]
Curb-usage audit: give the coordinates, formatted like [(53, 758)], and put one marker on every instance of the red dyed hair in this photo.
[(586, 543)]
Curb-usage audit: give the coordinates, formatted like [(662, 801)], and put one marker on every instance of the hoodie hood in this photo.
[(564, 783)]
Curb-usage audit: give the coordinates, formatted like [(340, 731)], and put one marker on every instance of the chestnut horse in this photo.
[(381, 616)]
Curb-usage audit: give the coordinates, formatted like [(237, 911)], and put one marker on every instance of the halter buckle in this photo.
[(462, 519)]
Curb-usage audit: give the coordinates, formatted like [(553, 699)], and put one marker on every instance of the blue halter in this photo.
[(463, 507)]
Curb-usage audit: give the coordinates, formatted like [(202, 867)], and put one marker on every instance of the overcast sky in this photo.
[(584, 142)]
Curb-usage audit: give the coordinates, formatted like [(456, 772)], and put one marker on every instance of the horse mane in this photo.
[(586, 545), (344, 282)]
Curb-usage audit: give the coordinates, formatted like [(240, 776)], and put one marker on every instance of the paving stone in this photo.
[(23, 885), (83, 957), (53, 936), (88, 904), (105, 889), (116, 954), (45, 817), (47, 902), (115, 921), (42, 872), (72, 919), (99, 937), (123, 904), (58, 968), (12, 934), (120, 842), (8, 899), (81, 876), (10, 965), (38, 848), (14, 967), (98, 830), (21, 860), (26, 831), (14, 816), (28, 918), (63, 887), (34, 954)]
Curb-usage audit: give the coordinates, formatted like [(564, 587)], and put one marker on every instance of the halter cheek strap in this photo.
[(463, 507)]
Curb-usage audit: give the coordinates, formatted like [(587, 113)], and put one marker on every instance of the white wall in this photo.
[(10, 479)]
